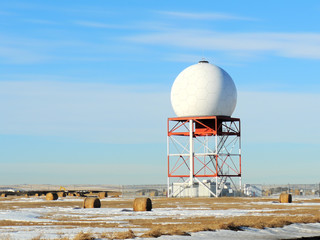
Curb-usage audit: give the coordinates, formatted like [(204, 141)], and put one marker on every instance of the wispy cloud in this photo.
[(292, 45), (99, 112), (85, 111), (18, 55), (98, 25), (41, 21), (3, 13), (274, 116), (204, 16), (28, 50)]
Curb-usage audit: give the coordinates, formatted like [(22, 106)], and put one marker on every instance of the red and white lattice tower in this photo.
[(204, 141)]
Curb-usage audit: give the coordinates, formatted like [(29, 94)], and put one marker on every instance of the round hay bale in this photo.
[(4, 195), (285, 198), (51, 196), (113, 194), (154, 194), (142, 204), (141, 193), (91, 202), (61, 194), (102, 195)]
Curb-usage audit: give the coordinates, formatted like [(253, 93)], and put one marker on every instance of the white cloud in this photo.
[(85, 111), (204, 16), (292, 45), (278, 117), (99, 112), (41, 21), (18, 55)]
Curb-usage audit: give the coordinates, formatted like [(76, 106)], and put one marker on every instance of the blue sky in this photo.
[(85, 86)]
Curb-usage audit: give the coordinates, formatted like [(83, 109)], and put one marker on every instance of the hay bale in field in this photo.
[(91, 202), (113, 194), (140, 193), (285, 198), (154, 193), (51, 196), (61, 194), (4, 195), (142, 204), (102, 195), (267, 193)]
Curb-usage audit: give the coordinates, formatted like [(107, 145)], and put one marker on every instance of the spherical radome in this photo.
[(203, 89)]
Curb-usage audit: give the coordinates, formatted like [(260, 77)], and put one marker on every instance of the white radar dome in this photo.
[(203, 89)]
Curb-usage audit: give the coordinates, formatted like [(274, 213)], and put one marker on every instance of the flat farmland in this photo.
[(37, 218)]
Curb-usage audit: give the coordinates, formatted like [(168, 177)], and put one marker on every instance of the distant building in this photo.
[(204, 189), (253, 190)]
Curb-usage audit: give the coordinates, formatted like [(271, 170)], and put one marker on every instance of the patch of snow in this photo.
[(23, 215), (53, 232)]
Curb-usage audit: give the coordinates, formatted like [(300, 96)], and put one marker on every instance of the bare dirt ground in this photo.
[(260, 213)]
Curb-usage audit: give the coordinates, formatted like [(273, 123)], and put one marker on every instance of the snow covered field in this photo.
[(27, 218)]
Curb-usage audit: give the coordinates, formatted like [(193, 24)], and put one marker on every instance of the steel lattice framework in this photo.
[(204, 147)]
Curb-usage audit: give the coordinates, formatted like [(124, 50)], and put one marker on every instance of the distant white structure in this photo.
[(205, 189), (203, 89), (253, 190)]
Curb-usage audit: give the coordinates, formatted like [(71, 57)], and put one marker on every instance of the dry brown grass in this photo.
[(38, 237), (154, 233), (119, 235), (84, 236)]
